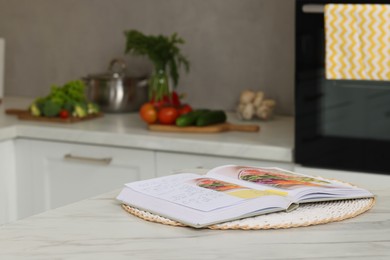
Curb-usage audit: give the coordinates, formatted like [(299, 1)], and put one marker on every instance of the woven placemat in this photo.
[(305, 215)]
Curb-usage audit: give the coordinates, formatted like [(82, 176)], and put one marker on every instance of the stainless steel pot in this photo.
[(115, 92)]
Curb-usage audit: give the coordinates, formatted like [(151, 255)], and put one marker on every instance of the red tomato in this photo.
[(184, 109), (148, 113), (167, 115), (64, 113)]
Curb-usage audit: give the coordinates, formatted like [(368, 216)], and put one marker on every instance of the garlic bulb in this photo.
[(247, 96), (258, 98), (263, 112), (269, 103), (248, 111), (253, 104)]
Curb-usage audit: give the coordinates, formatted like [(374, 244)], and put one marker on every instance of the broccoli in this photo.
[(51, 108)]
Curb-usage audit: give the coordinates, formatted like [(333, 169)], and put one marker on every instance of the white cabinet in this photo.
[(54, 174), (168, 163), (48, 174), (7, 181)]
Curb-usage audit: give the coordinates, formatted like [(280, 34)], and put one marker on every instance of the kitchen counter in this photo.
[(274, 142), (98, 228)]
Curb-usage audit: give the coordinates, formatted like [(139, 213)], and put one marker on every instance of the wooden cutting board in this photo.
[(217, 128), (26, 115)]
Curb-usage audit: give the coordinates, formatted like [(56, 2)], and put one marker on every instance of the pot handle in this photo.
[(117, 63)]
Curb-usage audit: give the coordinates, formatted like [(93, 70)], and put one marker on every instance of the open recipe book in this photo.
[(231, 192)]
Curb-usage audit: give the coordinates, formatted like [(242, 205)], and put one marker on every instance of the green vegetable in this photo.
[(80, 110), (35, 111), (211, 117), (72, 92), (165, 55), (190, 118), (51, 108), (92, 108), (69, 106), (69, 97)]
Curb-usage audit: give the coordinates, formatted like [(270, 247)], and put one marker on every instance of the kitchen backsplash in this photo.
[(232, 45)]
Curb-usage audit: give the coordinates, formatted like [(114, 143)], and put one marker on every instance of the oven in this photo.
[(340, 124)]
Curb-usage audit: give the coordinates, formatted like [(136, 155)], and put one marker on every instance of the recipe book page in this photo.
[(201, 192), (297, 187), (199, 200)]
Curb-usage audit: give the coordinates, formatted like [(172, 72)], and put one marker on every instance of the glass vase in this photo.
[(158, 85)]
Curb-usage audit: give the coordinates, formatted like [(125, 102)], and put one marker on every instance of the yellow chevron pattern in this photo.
[(357, 41)]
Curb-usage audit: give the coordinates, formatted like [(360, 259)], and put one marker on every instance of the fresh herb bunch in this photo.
[(165, 55)]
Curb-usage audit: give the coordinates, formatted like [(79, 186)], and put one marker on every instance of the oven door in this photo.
[(340, 124)]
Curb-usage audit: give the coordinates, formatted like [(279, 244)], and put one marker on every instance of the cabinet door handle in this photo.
[(105, 161)]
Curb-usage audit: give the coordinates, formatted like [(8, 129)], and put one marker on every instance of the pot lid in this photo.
[(116, 70)]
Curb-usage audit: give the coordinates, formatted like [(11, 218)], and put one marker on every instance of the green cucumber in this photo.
[(190, 118), (211, 117)]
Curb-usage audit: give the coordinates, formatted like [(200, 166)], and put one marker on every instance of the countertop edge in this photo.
[(115, 131)]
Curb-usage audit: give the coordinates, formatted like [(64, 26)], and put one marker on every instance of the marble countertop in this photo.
[(98, 228), (274, 141)]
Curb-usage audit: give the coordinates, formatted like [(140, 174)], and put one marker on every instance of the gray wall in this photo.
[(232, 44)]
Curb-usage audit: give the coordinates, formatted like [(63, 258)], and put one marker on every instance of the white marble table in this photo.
[(98, 228)]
